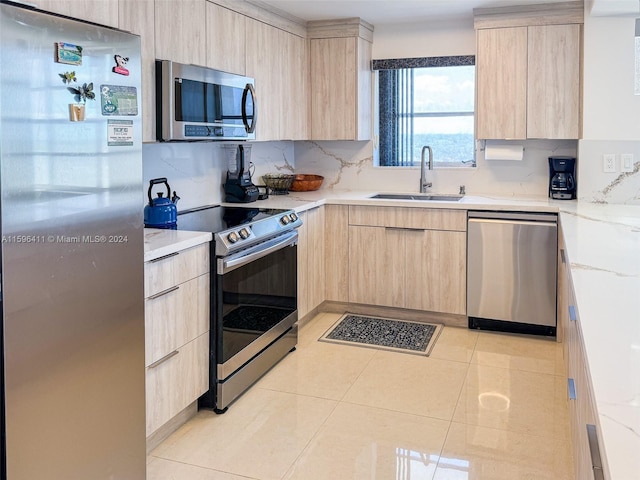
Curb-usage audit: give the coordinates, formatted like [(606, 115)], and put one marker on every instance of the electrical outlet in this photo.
[(626, 162), (609, 165)]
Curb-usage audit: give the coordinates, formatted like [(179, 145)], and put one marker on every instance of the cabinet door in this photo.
[(175, 318), (165, 272), (103, 12), (158, 393), (553, 92), (333, 88), (190, 377), (311, 258), (264, 64), (137, 16), (336, 236), (294, 78), (377, 266), (175, 383), (436, 271), (226, 38), (501, 94), (180, 32)]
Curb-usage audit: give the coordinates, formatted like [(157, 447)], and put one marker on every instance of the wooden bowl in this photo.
[(306, 183)]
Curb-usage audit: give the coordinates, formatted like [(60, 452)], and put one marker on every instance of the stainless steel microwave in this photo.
[(197, 103)]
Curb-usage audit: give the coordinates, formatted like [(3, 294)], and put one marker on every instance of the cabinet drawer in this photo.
[(176, 317), (175, 383), (410, 218), (168, 271)]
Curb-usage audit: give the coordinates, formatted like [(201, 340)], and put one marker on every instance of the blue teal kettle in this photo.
[(161, 212)]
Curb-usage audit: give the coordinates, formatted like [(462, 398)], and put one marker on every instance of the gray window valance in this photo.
[(421, 62)]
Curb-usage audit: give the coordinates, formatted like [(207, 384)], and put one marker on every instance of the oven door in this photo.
[(256, 292)]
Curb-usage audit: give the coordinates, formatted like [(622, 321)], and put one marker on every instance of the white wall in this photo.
[(611, 111), (423, 40)]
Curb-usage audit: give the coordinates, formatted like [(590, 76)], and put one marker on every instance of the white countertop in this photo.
[(603, 248), (160, 242)]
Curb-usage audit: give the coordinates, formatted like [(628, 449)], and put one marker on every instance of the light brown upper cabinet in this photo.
[(136, 16), (276, 60), (528, 72), (101, 12), (553, 88), (180, 31), (340, 63), (226, 32)]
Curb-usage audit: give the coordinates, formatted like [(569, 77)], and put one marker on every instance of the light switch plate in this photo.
[(609, 164), (626, 162)]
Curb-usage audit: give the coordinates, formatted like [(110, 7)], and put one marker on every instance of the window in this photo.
[(426, 101)]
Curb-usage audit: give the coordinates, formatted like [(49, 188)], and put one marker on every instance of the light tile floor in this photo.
[(483, 406)]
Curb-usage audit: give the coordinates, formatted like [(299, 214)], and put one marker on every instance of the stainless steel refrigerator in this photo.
[(72, 249)]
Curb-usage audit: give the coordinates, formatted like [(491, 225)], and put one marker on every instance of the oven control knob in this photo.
[(285, 220), (244, 233), (233, 237), (293, 217)]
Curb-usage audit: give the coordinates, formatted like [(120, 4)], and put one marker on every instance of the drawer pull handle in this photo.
[(572, 313), (572, 389), (562, 257), (164, 292), (159, 259), (164, 359), (594, 449)]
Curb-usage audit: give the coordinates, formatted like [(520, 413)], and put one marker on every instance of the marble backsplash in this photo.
[(350, 166), (197, 170), (597, 186)]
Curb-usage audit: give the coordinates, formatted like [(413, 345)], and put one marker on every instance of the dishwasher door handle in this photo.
[(514, 222)]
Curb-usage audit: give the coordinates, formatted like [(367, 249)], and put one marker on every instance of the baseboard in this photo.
[(448, 319), (162, 433)]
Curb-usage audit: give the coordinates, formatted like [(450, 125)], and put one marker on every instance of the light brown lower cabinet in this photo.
[(587, 460), (408, 258), (176, 333), (311, 261)]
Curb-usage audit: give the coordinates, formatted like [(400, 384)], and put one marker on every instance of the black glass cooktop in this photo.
[(216, 218)]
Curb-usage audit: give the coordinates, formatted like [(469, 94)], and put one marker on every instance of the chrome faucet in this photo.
[(423, 176)]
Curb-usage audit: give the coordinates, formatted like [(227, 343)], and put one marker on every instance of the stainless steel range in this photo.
[(253, 294)]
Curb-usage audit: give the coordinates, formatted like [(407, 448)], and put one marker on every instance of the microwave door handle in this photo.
[(249, 89)]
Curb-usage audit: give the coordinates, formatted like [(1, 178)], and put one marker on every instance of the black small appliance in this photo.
[(238, 187), (562, 178)]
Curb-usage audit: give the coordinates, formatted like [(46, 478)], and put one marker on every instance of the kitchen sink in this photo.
[(436, 198)]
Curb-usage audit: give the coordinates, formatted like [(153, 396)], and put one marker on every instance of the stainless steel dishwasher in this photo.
[(512, 271)]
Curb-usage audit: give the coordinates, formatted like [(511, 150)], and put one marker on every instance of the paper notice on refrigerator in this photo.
[(118, 100), (120, 133)]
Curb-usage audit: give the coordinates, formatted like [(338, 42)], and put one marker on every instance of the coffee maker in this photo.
[(562, 178), (238, 187)]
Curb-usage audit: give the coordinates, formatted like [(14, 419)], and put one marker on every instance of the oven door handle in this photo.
[(240, 259)]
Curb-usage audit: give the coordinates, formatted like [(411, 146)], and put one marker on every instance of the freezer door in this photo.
[(511, 273)]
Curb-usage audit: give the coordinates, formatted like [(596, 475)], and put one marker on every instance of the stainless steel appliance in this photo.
[(254, 294), (72, 251), (197, 103), (238, 187), (511, 271), (562, 178)]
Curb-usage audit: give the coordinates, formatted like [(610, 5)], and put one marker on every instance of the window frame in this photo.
[(421, 62)]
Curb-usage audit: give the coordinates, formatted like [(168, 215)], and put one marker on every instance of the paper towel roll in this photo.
[(504, 152)]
